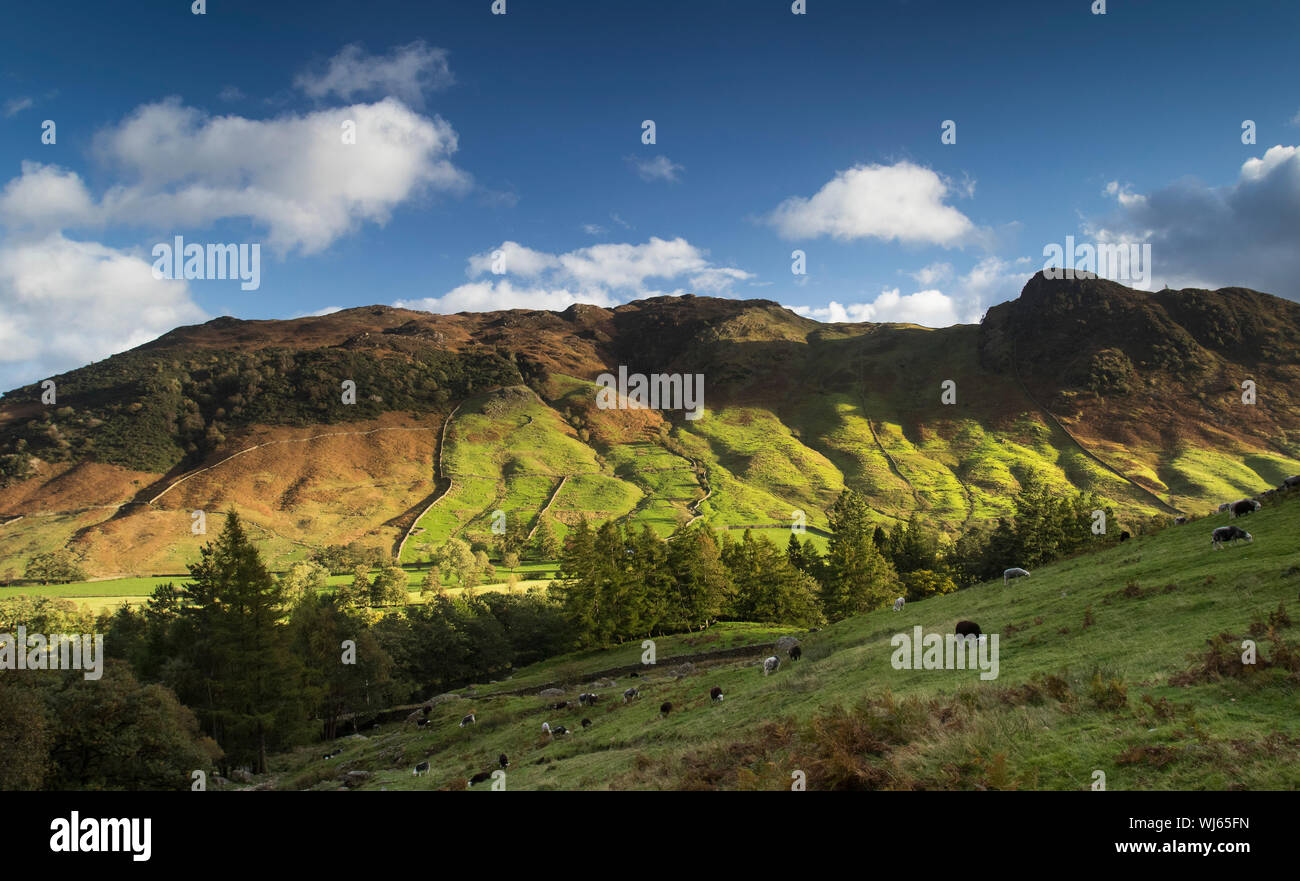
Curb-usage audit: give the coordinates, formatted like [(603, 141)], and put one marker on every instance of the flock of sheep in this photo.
[(969, 629)]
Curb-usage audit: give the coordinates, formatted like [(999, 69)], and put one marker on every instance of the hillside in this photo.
[(1104, 663), (1134, 395)]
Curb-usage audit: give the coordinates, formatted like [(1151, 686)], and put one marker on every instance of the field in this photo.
[(1101, 668)]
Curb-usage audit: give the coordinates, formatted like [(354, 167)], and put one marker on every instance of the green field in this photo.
[(1138, 615)]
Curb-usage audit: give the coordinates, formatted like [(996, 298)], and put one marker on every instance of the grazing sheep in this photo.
[(503, 761), (420, 723), (1124, 536), (796, 653), (421, 769), (1014, 572), (1228, 533), (899, 603), (630, 693), (1292, 481), (1242, 507), (968, 629), (468, 720), (1225, 506), (586, 723), (715, 693), (771, 665), (480, 777), (587, 699), (559, 731), (1180, 521), (546, 728), (562, 705), (664, 709)]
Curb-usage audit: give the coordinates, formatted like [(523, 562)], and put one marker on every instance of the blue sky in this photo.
[(522, 134)]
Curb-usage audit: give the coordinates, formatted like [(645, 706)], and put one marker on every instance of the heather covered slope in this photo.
[(1134, 395)]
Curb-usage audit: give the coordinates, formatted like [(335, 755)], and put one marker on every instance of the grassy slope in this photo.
[(1248, 728)]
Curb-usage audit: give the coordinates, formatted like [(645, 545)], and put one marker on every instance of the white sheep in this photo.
[(1014, 572), (898, 604)]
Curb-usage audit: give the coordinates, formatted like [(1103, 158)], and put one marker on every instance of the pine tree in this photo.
[(858, 577)]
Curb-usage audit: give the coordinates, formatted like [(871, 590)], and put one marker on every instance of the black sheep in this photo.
[(1124, 536), (968, 629), (480, 777), (665, 708), (586, 723), (795, 653), (503, 761), (715, 693)]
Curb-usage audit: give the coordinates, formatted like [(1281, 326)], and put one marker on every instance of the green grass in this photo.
[(957, 731)]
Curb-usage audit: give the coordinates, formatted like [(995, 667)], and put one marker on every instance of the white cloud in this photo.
[(291, 174), (231, 93), (658, 168), (603, 275), (1124, 194), (1243, 233), (406, 72), (932, 274), (902, 202), (593, 229), (15, 106), (65, 303), (991, 280)]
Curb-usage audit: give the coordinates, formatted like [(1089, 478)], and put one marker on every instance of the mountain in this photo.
[(1135, 395)]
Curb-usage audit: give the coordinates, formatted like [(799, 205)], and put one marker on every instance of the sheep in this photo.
[(1225, 506), (968, 629), (796, 653), (715, 694), (1014, 572), (1242, 507), (503, 761), (562, 705), (586, 723), (1124, 536), (332, 754), (420, 723), (771, 665), (421, 769), (480, 777), (559, 731), (664, 709), (1291, 482), (1228, 533), (468, 720), (630, 694), (1180, 521), (634, 674), (899, 603), (587, 699), (546, 728)]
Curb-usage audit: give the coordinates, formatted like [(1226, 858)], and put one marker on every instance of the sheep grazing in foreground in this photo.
[(586, 699), (664, 709), (795, 653), (1225, 534), (771, 665), (1242, 507), (899, 603), (503, 761), (1014, 572), (968, 629), (586, 723), (468, 720), (715, 694), (630, 694), (421, 769), (480, 777), (1180, 521)]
